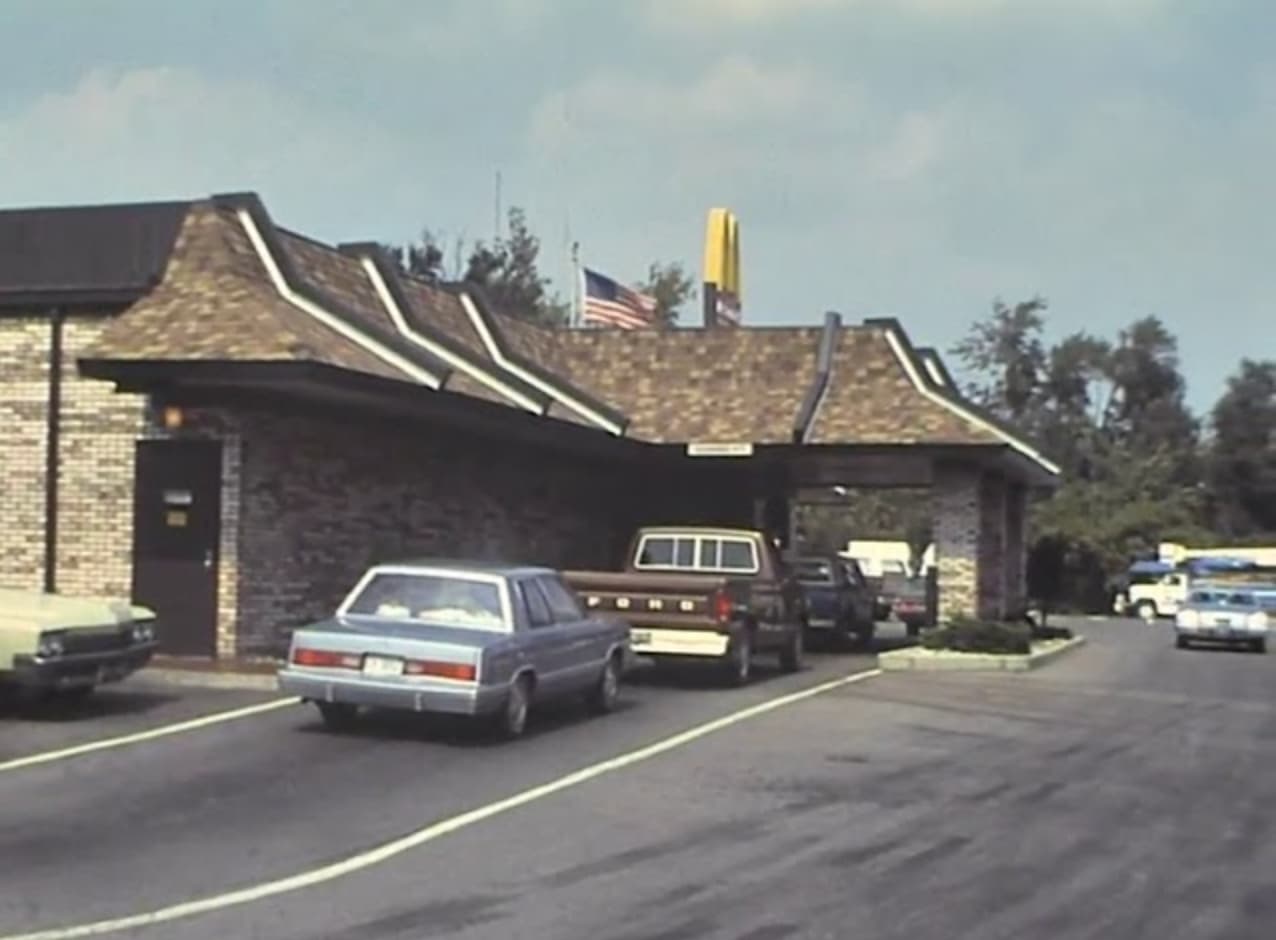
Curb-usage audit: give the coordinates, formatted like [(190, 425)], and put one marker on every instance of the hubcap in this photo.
[(611, 683)]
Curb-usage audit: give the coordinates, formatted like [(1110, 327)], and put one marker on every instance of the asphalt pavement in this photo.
[(1122, 792)]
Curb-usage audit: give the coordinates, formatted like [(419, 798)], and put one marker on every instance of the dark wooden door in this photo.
[(176, 526)]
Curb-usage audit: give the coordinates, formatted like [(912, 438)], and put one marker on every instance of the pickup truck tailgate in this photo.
[(667, 613)]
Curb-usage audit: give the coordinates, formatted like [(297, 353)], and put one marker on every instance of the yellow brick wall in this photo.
[(99, 428)]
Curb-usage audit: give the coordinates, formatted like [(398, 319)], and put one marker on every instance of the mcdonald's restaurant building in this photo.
[(227, 421)]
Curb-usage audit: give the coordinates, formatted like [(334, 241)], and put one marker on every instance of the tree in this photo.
[(671, 287), (507, 270), (1113, 415), (426, 259), (1147, 410), (1242, 454), (1006, 354)]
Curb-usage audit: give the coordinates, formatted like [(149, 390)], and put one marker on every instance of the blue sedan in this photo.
[(446, 637)]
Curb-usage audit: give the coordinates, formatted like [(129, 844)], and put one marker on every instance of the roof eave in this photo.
[(953, 398)]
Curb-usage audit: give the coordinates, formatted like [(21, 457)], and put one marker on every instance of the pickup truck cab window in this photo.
[(697, 553)]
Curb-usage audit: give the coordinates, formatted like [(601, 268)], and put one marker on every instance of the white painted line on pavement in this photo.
[(389, 850), (161, 732)]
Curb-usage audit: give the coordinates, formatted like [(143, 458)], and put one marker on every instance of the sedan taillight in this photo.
[(466, 672), (324, 659)]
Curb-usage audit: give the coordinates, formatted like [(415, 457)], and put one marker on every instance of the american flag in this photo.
[(728, 310), (608, 303)]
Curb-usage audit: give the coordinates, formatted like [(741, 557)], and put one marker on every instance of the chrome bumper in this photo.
[(80, 670), (1223, 633), (410, 695)]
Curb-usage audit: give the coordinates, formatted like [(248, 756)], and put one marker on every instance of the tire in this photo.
[(865, 634), (1145, 610), (1181, 642), (511, 720), (737, 665), (791, 654), (72, 696), (912, 628), (337, 716), (1259, 646), (842, 636), (602, 698)]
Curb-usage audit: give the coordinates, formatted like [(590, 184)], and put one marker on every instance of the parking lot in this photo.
[(1122, 792)]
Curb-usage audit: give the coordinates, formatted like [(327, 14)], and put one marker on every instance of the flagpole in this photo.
[(578, 283)]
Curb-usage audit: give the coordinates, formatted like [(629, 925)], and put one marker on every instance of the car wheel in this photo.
[(337, 716), (72, 696), (864, 636), (1181, 642), (739, 659), (603, 696), (1145, 611), (511, 720), (791, 654), (1260, 646)]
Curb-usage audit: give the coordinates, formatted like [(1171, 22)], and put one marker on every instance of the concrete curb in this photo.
[(202, 679), (916, 659)]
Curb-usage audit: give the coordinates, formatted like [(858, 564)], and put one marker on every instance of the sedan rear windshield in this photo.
[(428, 598)]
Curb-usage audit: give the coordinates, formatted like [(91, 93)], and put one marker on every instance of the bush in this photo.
[(1051, 633), (977, 636)]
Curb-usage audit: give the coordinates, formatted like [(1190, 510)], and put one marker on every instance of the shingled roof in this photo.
[(215, 304), (676, 386), (217, 280)]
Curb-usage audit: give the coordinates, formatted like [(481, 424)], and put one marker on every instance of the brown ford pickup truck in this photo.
[(721, 595)]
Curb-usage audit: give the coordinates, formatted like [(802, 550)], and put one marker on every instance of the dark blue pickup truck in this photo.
[(838, 598)]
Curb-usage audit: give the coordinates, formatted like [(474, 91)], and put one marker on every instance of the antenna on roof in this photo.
[(496, 227)]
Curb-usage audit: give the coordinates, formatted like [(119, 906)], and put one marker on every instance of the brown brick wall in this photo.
[(1016, 548), (992, 568), (316, 501), (95, 525)]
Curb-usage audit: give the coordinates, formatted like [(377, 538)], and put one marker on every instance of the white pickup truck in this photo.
[(1150, 596)]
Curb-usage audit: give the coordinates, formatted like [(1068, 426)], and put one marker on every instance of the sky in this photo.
[(907, 158)]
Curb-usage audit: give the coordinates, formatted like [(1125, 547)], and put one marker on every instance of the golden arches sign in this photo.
[(722, 291)]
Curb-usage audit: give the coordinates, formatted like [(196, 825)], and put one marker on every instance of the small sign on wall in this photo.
[(175, 519), (706, 449)]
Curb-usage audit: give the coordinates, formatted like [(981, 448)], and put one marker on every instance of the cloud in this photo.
[(712, 16), (449, 30), (165, 131), (735, 92)]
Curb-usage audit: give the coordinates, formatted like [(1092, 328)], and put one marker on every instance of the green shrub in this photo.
[(1051, 633), (977, 636)]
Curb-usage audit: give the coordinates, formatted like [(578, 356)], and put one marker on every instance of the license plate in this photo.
[(640, 637), (382, 666)]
